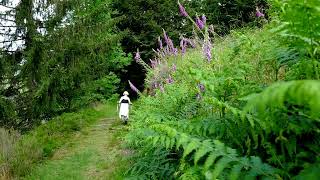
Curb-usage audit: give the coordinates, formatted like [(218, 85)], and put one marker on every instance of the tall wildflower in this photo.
[(165, 36), (183, 46), (170, 80), (206, 49), (204, 19), (183, 11), (259, 13), (199, 23), (174, 67), (191, 42), (133, 87), (153, 63), (137, 57)]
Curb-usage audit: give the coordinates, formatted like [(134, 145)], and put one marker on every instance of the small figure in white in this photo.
[(124, 105)]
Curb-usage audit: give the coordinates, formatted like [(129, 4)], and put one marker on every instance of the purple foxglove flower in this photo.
[(206, 48), (183, 45), (170, 80), (134, 87), (137, 57), (204, 19), (183, 11), (174, 67), (175, 51), (166, 38), (153, 63), (201, 87), (160, 43), (199, 23), (191, 43), (258, 13), (170, 45)]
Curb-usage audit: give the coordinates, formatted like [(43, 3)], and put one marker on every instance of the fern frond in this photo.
[(304, 94), (217, 157)]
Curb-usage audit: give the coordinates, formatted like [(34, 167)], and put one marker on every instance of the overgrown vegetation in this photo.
[(248, 108), (242, 106), (19, 154)]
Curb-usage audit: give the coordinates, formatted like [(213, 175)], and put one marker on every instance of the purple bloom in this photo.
[(204, 19), (137, 57), (199, 23), (133, 87), (170, 45), (170, 80), (258, 13), (175, 51), (206, 48), (174, 67), (183, 11), (201, 87), (166, 38), (183, 45), (191, 43), (153, 63)]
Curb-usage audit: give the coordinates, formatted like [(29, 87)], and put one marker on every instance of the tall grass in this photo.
[(19, 154)]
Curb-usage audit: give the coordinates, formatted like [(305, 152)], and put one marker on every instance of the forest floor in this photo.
[(93, 153)]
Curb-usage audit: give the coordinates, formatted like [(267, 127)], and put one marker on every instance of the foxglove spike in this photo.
[(258, 13), (199, 23), (134, 88), (206, 48), (204, 19), (183, 11), (174, 67), (170, 80), (137, 56)]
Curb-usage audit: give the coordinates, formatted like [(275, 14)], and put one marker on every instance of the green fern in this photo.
[(304, 93), (216, 157)]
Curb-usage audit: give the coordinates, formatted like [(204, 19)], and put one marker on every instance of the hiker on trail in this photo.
[(124, 104)]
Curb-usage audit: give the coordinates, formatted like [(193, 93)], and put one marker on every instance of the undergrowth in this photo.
[(247, 109)]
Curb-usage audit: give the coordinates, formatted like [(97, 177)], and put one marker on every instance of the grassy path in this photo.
[(93, 153)]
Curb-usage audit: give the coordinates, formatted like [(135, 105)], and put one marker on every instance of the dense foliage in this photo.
[(248, 108), (70, 56), (144, 21)]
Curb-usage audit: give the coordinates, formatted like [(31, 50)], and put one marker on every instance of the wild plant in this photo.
[(228, 114)]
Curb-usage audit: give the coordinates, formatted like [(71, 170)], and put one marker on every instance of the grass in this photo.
[(73, 139), (93, 153)]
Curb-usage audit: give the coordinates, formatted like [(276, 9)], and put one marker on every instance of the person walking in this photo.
[(124, 104)]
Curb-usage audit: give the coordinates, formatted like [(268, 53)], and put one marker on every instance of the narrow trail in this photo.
[(93, 153)]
